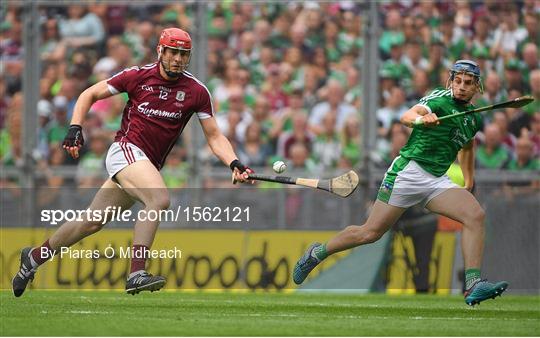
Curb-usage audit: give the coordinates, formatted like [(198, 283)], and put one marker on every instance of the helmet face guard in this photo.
[(174, 38), (466, 67)]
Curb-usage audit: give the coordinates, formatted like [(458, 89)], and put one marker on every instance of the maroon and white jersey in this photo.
[(158, 110)]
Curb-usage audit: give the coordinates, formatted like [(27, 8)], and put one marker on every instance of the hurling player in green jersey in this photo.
[(418, 176)]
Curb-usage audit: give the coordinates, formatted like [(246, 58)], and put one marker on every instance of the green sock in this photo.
[(319, 252), (471, 277)]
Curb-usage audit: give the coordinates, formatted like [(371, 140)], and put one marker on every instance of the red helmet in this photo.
[(175, 38)]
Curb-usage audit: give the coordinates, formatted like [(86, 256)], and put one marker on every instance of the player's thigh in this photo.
[(456, 203), (143, 181), (383, 216), (111, 195)]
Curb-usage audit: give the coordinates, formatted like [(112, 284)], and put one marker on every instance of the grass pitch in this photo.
[(95, 313)]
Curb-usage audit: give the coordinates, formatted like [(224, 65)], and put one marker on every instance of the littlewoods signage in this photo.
[(203, 259)]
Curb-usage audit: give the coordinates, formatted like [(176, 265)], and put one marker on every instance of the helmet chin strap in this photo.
[(169, 72)]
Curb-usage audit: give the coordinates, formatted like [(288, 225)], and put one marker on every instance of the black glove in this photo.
[(238, 165), (74, 137)]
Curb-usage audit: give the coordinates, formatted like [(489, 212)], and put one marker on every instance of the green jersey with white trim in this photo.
[(435, 148)]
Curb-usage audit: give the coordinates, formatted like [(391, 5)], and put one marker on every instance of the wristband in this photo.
[(237, 164), (418, 121)]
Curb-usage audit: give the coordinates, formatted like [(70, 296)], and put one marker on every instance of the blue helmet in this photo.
[(465, 66)]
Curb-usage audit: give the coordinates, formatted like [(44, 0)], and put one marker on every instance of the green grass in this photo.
[(93, 313)]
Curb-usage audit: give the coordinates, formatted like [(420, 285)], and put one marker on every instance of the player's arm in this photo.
[(419, 113), (466, 161), (222, 148), (74, 139)]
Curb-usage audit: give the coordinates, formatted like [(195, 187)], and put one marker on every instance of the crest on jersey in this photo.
[(180, 95)]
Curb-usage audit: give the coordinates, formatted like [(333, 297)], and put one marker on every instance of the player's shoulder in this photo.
[(137, 70), (437, 94), (196, 84)]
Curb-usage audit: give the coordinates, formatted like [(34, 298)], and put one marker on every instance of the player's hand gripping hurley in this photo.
[(343, 185), (515, 103)]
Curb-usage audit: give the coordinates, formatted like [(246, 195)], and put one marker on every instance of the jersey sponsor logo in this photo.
[(180, 95), (458, 137), (143, 109)]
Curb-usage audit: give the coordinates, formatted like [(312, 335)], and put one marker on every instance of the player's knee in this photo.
[(479, 215), (476, 216), (92, 227), (159, 202), (363, 235)]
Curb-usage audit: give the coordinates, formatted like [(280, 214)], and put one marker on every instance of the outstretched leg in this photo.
[(381, 218), (460, 205), (143, 182), (69, 233)]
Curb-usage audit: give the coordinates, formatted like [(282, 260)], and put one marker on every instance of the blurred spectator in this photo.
[(413, 59), (451, 37), (299, 157), (51, 49), (508, 35), (59, 125), (517, 118), (534, 83), (531, 24), (482, 37), (420, 87), (236, 105), (350, 38), (272, 89), (298, 134), (531, 61), (353, 94), (501, 120), (82, 28), (512, 75), (395, 139), (331, 32), (392, 110), (119, 57), (437, 62), (351, 151), (492, 154), (398, 63), (493, 92), (326, 150), (525, 159), (334, 105), (393, 32), (10, 135), (253, 151), (535, 132), (92, 164), (176, 173), (44, 111)]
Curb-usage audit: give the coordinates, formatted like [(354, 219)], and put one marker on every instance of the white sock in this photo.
[(32, 261)]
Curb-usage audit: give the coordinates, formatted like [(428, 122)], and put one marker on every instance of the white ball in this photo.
[(279, 167)]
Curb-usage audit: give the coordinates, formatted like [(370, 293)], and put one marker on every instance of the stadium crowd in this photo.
[(284, 78)]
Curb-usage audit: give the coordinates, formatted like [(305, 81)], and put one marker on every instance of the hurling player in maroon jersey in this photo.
[(162, 98)]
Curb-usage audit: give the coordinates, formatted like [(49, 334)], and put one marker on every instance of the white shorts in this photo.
[(407, 184), (122, 154)]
